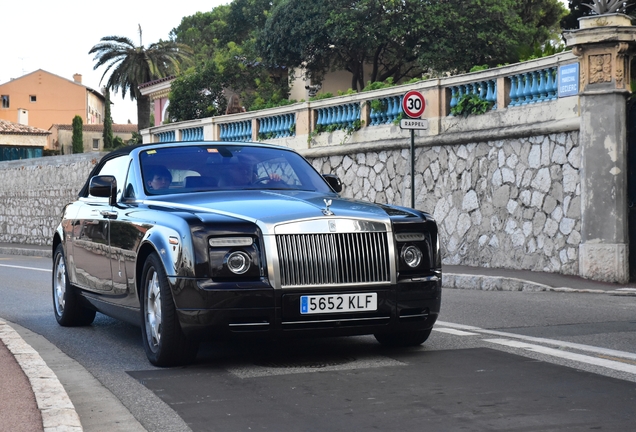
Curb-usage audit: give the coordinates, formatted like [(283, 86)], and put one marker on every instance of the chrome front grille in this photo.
[(333, 258)]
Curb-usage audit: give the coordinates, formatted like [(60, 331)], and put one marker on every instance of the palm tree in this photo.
[(134, 65)]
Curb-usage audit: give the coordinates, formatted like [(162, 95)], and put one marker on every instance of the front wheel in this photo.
[(163, 340), (68, 310), (403, 339)]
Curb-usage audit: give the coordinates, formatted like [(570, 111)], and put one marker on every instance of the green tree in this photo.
[(131, 65), (78, 137), (224, 43), (108, 122), (401, 39)]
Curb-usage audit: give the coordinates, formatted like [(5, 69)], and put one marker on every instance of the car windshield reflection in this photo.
[(200, 168)]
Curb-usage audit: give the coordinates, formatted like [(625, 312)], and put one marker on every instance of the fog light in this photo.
[(238, 262), (412, 256)]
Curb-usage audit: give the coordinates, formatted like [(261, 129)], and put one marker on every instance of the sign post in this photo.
[(413, 105)]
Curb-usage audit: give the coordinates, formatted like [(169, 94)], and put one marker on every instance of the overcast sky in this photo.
[(56, 35)]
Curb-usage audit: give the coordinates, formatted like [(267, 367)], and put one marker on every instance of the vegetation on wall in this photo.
[(78, 135)]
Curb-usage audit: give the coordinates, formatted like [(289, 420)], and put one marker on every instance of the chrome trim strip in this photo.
[(249, 324), (336, 320), (415, 316)]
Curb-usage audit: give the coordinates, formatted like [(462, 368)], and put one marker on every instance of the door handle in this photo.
[(109, 214)]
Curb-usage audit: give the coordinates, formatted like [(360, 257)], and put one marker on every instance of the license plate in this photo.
[(334, 303)]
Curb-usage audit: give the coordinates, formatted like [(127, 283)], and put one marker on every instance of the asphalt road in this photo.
[(509, 361)]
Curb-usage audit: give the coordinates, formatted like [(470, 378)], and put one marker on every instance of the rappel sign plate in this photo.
[(413, 104)]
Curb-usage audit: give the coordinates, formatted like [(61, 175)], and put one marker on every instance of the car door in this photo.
[(92, 258)]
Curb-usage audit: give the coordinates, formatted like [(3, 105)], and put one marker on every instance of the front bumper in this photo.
[(259, 310)]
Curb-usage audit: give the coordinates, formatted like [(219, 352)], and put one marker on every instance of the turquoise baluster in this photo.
[(494, 93), (542, 89), (526, 88), (520, 89), (356, 112), (483, 90), (385, 110), (248, 134), (329, 117), (513, 90), (288, 124), (453, 101), (262, 126), (489, 91), (534, 90), (339, 116), (373, 117), (552, 87), (281, 126), (396, 108)]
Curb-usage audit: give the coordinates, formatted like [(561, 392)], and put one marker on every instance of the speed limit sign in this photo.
[(413, 104)]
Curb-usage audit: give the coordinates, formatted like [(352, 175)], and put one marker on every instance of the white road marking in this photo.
[(26, 268), (610, 364), (579, 347), (455, 332)]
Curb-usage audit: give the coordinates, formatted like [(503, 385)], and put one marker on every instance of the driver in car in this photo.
[(243, 174)]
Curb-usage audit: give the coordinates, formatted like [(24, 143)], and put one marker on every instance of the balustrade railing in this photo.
[(338, 117), (278, 126), (510, 86), (166, 136), (533, 87), (485, 90), (236, 131), (385, 110), (192, 134)]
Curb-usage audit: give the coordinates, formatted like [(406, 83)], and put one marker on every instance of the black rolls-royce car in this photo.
[(205, 240)]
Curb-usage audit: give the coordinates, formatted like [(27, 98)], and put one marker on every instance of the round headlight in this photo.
[(412, 256), (238, 262)]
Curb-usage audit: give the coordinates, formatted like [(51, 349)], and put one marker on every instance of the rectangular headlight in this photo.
[(231, 241)]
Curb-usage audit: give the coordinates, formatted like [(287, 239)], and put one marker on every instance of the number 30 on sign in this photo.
[(413, 104)]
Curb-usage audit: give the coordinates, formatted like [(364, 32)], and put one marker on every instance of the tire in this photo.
[(163, 340), (67, 308), (403, 339)]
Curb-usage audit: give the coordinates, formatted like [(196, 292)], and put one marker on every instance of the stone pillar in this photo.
[(604, 44)]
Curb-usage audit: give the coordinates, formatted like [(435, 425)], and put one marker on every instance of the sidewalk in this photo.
[(41, 403)]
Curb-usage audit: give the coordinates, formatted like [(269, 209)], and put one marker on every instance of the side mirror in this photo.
[(104, 187), (333, 181)]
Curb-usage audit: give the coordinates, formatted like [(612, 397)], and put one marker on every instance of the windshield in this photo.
[(200, 168)]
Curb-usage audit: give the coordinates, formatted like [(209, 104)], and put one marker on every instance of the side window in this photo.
[(129, 191), (117, 167)]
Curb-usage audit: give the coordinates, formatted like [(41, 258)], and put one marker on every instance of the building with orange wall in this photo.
[(41, 99)]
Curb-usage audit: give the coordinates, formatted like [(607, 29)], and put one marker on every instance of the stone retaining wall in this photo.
[(513, 203), (33, 193)]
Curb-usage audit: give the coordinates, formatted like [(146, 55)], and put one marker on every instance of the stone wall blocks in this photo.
[(537, 200), (566, 225), (542, 181), (534, 157), (558, 155), (551, 227), (574, 157), (512, 206)]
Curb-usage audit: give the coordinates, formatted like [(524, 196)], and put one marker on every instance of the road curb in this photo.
[(56, 408), (25, 251), (499, 283)]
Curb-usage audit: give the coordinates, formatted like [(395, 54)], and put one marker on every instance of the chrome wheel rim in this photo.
[(59, 285), (153, 310)]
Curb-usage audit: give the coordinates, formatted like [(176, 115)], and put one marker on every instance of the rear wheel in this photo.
[(68, 310), (164, 342), (403, 339)]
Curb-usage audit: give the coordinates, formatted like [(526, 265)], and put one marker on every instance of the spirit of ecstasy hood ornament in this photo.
[(327, 211)]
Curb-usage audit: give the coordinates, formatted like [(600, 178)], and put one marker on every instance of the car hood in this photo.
[(272, 207)]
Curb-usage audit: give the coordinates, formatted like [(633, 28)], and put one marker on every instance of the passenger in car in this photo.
[(157, 177)]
